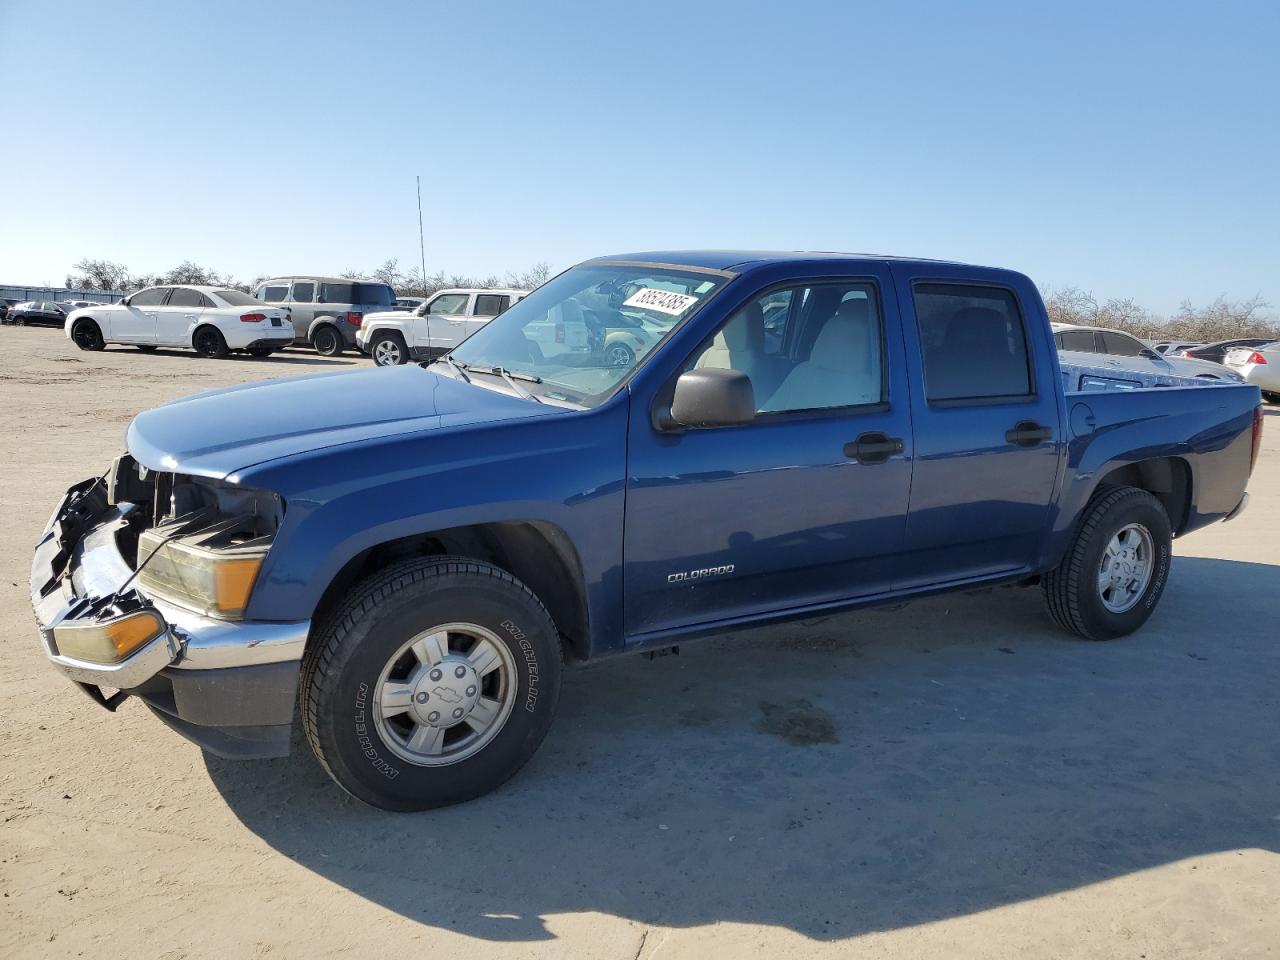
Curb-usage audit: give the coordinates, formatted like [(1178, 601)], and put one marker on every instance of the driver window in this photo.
[(805, 348), (453, 303)]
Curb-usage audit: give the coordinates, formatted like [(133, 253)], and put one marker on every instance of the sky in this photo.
[(1131, 149)]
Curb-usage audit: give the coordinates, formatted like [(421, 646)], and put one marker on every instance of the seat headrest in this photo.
[(744, 331), (846, 334)]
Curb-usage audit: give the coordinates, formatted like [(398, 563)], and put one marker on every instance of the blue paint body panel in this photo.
[(368, 457)]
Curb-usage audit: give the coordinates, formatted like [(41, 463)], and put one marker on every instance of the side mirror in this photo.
[(713, 398), (125, 301)]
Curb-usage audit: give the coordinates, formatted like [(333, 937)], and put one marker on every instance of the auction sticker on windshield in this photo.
[(664, 301)]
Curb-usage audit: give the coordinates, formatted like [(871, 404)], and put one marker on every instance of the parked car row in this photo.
[(1258, 364), (1122, 351)]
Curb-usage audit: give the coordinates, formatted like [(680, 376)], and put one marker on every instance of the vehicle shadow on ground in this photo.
[(297, 359), (858, 773)]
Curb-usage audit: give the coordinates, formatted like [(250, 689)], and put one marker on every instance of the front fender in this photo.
[(567, 472)]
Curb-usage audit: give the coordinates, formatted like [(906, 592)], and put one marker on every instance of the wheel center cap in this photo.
[(445, 694)]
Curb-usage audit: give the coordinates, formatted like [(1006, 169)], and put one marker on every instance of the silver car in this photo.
[(1125, 352), (327, 311), (1258, 365)]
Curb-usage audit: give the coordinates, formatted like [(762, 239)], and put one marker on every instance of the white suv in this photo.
[(435, 328)]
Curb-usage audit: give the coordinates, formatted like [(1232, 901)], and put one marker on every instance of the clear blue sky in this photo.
[(1128, 148)]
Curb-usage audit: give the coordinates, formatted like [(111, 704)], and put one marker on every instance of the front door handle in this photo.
[(1028, 433), (873, 448)]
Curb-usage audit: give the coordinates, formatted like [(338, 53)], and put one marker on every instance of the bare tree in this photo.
[(1222, 319), (98, 275)]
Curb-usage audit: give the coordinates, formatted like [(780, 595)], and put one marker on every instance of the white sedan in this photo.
[(1258, 365), (213, 321)]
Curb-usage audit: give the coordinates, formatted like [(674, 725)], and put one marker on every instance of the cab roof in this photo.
[(736, 260)]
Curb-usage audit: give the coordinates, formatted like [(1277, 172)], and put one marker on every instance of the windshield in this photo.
[(578, 336)]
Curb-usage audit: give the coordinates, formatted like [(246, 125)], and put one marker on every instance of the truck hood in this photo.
[(215, 434)]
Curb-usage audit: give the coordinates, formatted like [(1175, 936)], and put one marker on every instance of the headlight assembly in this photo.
[(211, 569)]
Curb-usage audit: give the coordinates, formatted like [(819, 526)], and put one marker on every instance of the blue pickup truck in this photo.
[(412, 554)]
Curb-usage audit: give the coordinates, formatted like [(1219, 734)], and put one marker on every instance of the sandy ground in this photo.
[(956, 778)]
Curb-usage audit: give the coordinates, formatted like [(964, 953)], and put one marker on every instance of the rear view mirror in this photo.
[(713, 398)]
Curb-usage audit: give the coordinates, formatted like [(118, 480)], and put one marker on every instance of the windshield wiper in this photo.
[(458, 368), (510, 377)]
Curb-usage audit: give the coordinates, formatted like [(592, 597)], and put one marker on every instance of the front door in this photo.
[(136, 321), (805, 505), (986, 390), (443, 324)]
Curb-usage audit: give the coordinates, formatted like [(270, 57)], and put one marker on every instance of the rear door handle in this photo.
[(873, 448), (1028, 433)]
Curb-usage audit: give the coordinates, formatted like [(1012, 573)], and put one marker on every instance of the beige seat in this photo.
[(739, 345), (843, 368)]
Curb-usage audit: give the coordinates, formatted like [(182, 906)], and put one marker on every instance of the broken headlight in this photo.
[(207, 558)]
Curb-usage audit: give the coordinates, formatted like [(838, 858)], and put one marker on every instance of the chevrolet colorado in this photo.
[(414, 553)]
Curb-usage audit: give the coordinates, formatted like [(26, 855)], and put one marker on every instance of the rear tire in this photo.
[(390, 703), (1271, 397), (209, 342), (327, 341), (87, 335), (389, 350), (1116, 567)]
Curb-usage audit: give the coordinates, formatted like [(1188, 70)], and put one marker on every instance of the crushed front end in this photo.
[(141, 584)]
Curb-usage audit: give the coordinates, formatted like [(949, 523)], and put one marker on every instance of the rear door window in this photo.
[(974, 342), (304, 291), (1120, 345), (1081, 340), (490, 304), (183, 297)]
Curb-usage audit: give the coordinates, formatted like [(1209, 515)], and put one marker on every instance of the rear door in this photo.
[(178, 317), (485, 307), (986, 405), (136, 321)]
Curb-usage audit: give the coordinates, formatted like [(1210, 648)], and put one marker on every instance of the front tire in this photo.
[(1271, 397), (87, 335), (433, 683), (327, 341), (388, 350), (1115, 569)]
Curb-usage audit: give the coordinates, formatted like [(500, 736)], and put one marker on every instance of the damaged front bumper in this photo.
[(227, 685)]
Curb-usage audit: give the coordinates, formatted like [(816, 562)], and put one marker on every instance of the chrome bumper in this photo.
[(67, 576)]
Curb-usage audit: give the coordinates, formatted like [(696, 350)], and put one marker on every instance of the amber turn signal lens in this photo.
[(233, 582), (110, 641)]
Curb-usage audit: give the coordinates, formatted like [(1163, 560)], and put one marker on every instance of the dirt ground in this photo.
[(952, 779)]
